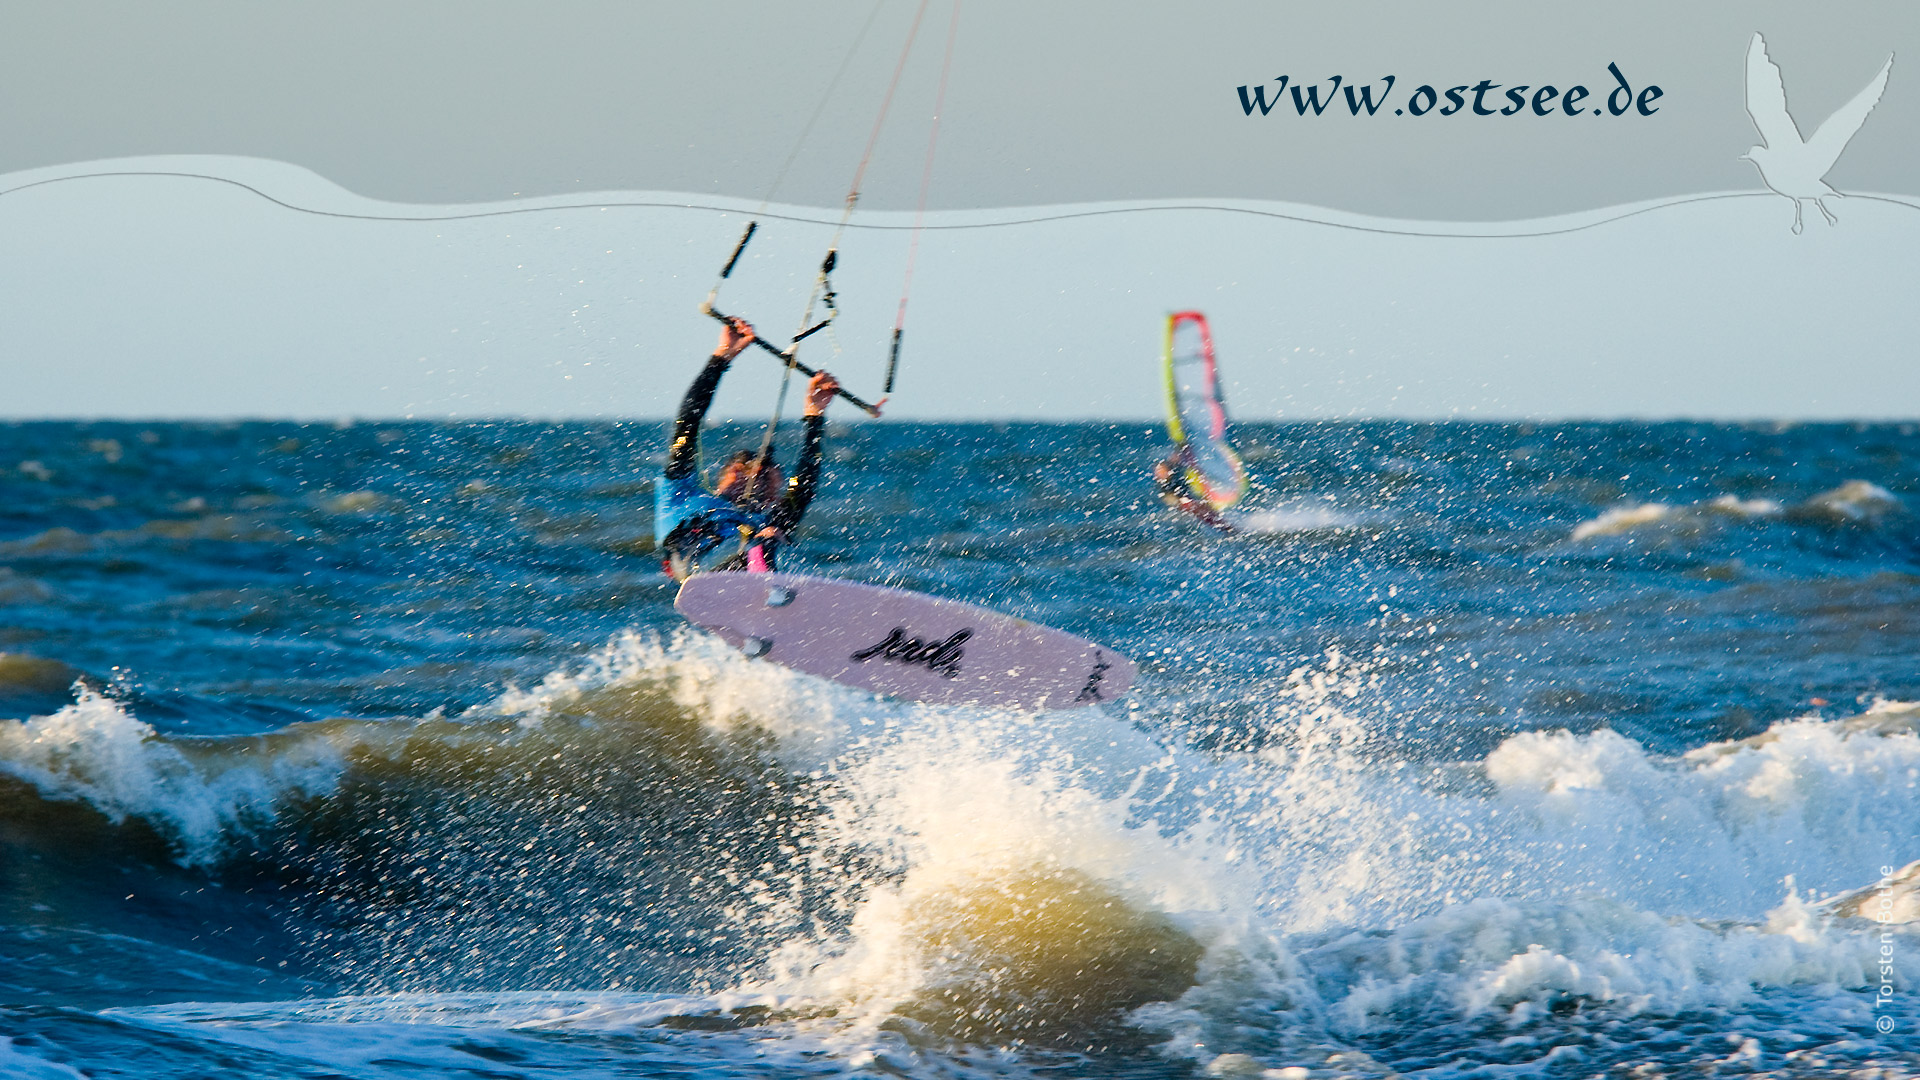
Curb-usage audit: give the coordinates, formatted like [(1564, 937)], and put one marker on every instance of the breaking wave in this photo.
[(893, 878), (1854, 502)]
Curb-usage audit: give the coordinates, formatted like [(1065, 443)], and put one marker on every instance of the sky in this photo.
[(438, 102), (157, 297)]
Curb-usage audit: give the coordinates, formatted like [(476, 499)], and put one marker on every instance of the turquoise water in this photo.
[(378, 750)]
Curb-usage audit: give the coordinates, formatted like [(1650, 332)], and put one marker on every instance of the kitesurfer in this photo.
[(1170, 480), (691, 522)]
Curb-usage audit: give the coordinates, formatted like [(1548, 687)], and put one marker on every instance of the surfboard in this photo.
[(902, 643)]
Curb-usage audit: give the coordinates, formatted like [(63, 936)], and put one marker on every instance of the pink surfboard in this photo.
[(904, 644)]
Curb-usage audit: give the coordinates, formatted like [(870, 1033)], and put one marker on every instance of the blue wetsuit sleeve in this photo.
[(806, 477), (683, 447)]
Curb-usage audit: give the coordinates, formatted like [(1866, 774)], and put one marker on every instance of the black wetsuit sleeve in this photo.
[(806, 476), (683, 450)]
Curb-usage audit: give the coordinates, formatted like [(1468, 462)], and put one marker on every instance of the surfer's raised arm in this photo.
[(820, 393), (806, 473), (683, 450)]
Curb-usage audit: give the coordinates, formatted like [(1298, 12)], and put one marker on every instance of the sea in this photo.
[(377, 750)]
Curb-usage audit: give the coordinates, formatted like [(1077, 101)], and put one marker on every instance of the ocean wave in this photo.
[(905, 878), (1854, 502), (1010, 899), (225, 528), (1481, 905), (1622, 519), (27, 1066), (19, 589), (200, 794), (1598, 807), (1492, 954), (985, 837), (20, 673), (355, 502), (204, 792)]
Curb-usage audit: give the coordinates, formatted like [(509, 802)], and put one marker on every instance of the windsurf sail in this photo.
[(1196, 415)]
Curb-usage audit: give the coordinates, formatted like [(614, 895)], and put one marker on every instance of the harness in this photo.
[(692, 521)]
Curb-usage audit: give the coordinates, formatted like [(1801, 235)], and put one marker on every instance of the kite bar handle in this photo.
[(787, 358), (738, 249), (893, 362)]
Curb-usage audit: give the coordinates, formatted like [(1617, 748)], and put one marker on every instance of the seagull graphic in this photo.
[(1789, 164)]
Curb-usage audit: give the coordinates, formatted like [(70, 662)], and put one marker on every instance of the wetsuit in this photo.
[(691, 521)]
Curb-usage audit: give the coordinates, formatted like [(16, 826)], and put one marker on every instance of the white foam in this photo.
[(1291, 519), (1561, 864), (953, 805), (809, 719), (1496, 954), (1554, 815), (1621, 519), (1752, 508), (95, 751), (1855, 500)]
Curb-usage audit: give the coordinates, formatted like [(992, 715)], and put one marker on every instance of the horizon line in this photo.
[(344, 422)]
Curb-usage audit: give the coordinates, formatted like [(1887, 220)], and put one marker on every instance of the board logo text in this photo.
[(940, 656), (1091, 691)]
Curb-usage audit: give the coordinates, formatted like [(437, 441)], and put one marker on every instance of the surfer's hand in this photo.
[(820, 391), (735, 334)]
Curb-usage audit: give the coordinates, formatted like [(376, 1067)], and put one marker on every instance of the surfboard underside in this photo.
[(904, 644)]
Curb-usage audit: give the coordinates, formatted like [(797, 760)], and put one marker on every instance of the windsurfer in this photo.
[(1202, 475), (1170, 480), (690, 521)]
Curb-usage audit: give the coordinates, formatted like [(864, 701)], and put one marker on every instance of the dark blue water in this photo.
[(397, 720)]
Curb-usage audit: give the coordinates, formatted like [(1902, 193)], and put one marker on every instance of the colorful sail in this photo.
[(1196, 416)]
